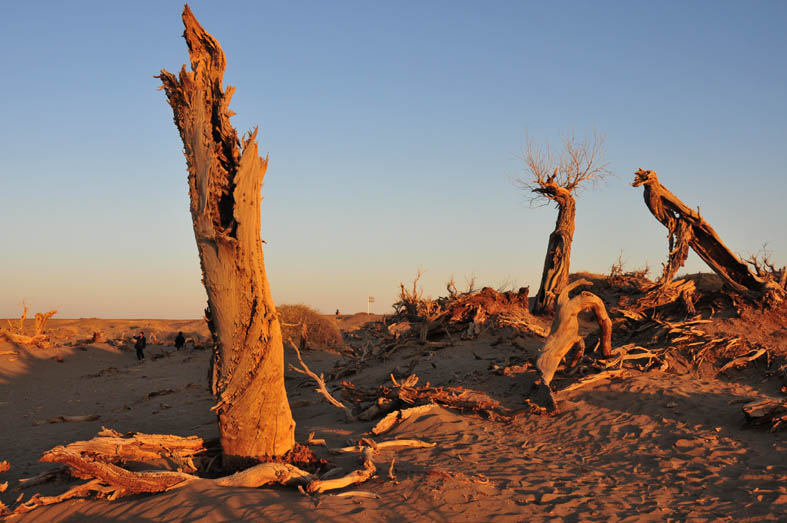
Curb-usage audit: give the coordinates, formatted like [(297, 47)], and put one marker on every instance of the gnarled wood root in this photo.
[(565, 329)]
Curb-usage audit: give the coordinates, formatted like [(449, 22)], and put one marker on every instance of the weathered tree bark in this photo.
[(225, 178), (565, 329), (688, 229), (558, 257)]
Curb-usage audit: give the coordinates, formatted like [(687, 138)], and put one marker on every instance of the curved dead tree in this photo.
[(225, 178), (688, 229), (578, 165), (564, 333)]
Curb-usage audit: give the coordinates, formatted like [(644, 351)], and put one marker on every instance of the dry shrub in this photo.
[(320, 329), (631, 281)]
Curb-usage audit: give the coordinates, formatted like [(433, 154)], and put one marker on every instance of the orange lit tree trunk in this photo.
[(558, 258), (225, 178)]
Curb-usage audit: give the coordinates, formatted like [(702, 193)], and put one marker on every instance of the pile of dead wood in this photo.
[(682, 346), (463, 314), (107, 464), (15, 331), (406, 394)]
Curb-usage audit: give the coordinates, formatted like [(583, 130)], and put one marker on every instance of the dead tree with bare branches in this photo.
[(558, 178), (225, 178)]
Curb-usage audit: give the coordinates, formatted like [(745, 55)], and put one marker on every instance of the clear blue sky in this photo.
[(394, 131)]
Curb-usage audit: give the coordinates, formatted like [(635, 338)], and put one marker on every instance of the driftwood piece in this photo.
[(123, 481), (743, 360), (44, 477), (225, 179), (395, 418), (353, 478), (321, 387), (387, 445), (357, 494), (769, 411), (265, 474), (79, 491), (605, 375), (687, 227), (565, 328), (110, 446)]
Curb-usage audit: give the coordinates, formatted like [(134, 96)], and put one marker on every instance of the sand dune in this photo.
[(652, 446)]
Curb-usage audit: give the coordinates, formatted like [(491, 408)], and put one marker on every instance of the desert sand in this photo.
[(647, 446)]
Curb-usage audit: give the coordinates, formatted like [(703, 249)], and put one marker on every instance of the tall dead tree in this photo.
[(688, 229), (558, 178), (225, 178)]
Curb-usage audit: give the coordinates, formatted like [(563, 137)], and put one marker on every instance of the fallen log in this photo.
[(110, 446), (605, 375), (688, 229)]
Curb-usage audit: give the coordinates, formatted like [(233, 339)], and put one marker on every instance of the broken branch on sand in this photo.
[(113, 447), (394, 418), (321, 387), (387, 445), (743, 360), (605, 375), (354, 477)]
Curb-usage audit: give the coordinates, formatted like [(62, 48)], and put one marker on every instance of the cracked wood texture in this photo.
[(558, 258), (688, 229), (225, 179)]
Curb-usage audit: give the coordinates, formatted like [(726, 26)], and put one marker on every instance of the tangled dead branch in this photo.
[(321, 387), (408, 394), (15, 334)]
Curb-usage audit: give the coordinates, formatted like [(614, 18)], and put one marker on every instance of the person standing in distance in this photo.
[(140, 345)]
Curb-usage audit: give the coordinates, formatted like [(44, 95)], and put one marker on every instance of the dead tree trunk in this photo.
[(565, 329), (558, 257), (225, 178), (688, 229)]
